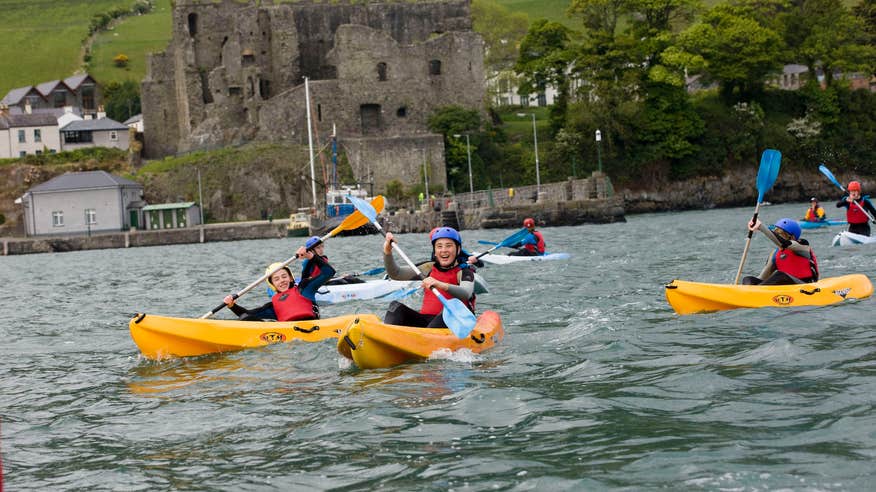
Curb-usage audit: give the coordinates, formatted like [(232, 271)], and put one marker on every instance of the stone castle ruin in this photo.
[(234, 72)]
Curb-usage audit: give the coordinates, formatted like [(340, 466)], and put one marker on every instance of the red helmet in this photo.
[(854, 186), (528, 222)]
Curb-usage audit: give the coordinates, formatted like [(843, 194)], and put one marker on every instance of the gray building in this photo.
[(82, 202)]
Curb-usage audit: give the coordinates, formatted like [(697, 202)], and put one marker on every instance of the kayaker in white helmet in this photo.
[(445, 274), (290, 302), (793, 262)]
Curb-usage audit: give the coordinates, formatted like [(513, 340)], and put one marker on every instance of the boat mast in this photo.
[(310, 142)]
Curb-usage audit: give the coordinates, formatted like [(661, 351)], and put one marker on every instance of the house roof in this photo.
[(168, 206), (82, 181), (27, 120), (101, 125), (15, 96)]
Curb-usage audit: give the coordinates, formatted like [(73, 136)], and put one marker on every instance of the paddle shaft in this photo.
[(747, 244)]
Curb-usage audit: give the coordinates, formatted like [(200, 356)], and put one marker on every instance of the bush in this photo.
[(121, 60)]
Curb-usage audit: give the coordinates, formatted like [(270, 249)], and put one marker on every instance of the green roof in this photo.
[(168, 206)]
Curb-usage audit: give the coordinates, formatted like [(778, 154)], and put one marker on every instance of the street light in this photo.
[(468, 151), (599, 148), (535, 139)]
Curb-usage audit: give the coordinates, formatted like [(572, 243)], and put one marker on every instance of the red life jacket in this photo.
[(292, 306), (539, 246), (855, 214), (431, 304), (799, 266)]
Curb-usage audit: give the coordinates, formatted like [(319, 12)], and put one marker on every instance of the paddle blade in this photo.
[(825, 171), (770, 161), (357, 219), (364, 207), (459, 319)]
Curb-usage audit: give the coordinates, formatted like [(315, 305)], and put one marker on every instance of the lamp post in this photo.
[(468, 152), (599, 148), (535, 140)]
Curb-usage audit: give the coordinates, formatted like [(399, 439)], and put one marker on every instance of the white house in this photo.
[(23, 134), (82, 202), (103, 132)]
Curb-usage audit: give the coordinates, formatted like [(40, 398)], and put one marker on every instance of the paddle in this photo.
[(353, 221), (505, 243), (825, 171), (460, 320), (766, 176)]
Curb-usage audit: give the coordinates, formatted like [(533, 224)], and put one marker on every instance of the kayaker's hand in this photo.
[(387, 245), (304, 253), (753, 226), (229, 300)]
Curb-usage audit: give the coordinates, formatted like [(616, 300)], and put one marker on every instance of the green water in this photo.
[(597, 385)]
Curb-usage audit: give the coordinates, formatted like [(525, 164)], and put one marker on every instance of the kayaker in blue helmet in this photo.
[(532, 244), (311, 270), (445, 274), (290, 302), (793, 262)]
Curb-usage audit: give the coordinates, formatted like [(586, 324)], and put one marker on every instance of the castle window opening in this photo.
[(381, 72), (193, 24), (402, 112), (435, 67)]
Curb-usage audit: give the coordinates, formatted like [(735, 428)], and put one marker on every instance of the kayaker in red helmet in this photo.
[(445, 274), (531, 245), (290, 302), (793, 262), (856, 205)]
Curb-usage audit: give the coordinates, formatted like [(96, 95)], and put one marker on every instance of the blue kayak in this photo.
[(804, 224)]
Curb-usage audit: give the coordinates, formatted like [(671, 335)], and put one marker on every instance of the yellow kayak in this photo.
[(693, 297), (160, 337), (372, 344)]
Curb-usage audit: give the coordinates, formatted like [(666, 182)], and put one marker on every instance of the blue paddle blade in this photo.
[(825, 171), (460, 320), (770, 161), (364, 207)]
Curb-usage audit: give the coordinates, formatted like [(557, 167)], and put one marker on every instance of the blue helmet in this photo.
[(312, 241), (790, 226), (446, 232)]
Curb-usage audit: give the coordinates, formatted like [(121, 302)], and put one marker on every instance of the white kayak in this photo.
[(371, 289), (506, 259), (847, 238)]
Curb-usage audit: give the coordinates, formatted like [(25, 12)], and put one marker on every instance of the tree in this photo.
[(121, 99)]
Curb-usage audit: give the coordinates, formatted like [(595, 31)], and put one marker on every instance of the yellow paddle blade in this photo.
[(356, 219)]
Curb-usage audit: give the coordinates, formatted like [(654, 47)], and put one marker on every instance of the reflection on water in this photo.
[(597, 384)]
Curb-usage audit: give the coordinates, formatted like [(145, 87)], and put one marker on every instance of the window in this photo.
[(21, 137), (37, 135), (57, 219), (435, 67), (90, 216), (114, 136)]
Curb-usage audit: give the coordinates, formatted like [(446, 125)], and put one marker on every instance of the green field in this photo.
[(42, 39), (135, 37)]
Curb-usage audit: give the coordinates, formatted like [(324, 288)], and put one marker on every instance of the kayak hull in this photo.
[(847, 238), (694, 297), (506, 259), (371, 344), (161, 337)]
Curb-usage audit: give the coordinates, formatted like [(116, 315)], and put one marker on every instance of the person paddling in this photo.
[(290, 302), (310, 269), (815, 212), (793, 262), (856, 205), (445, 274), (531, 245)]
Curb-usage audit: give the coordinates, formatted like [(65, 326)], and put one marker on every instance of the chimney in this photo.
[(27, 108), (101, 114)]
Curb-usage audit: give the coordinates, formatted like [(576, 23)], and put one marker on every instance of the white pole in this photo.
[(310, 141)]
